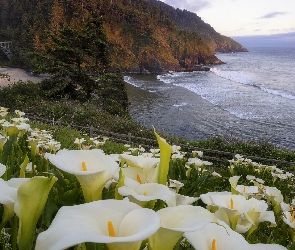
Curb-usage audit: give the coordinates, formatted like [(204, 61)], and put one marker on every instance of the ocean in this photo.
[(250, 97)]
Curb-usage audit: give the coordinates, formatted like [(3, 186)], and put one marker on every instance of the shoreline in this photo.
[(15, 75)]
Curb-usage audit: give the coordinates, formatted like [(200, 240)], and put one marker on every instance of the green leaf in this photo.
[(165, 155), (22, 173)]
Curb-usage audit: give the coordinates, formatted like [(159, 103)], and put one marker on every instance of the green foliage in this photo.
[(67, 111), (131, 35), (15, 95), (253, 148), (110, 147), (189, 21), (74, 59), (114, 94)]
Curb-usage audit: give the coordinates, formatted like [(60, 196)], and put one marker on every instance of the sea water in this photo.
[(250, 97)]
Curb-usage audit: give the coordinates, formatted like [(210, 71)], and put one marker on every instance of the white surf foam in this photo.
[(180, 104), (236, 76), (279, 93), (131, 81)]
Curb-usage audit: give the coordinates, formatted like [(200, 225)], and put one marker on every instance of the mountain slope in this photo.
[(191, 22), (141, 36)]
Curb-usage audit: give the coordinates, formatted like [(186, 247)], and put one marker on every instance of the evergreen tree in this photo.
[(75, 59)]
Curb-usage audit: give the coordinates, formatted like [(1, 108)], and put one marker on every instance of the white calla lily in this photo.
[(232, 205), (274, 194), (118, 223), (139, 161), (8, 196), (234, 182), (185, 200), (143, 193), (232, 202), (31, 198), (175, 221), (214, 236), (92, 168), (206, 198), (288, 218), (247, 190), (2, 169)]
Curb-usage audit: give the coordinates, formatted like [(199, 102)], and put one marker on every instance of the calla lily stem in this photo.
[(14, 232)]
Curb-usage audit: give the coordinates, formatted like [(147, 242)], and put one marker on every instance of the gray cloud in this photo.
[(274, 40), (190, 5), (273, 14)]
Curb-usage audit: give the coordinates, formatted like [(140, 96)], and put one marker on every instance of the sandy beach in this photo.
[(16, 74)]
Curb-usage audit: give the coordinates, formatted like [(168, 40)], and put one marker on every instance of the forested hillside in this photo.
[(191, 22), (140, 36)]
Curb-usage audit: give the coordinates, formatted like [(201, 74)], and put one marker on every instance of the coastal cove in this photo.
[(250, 97)]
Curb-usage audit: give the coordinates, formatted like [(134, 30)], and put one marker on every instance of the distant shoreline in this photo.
[(17, 74)]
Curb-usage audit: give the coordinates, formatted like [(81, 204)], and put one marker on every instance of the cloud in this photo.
[(273, 14), (190, 5), (274, 40)]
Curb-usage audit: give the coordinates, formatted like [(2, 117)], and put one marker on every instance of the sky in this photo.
[(268, 22)]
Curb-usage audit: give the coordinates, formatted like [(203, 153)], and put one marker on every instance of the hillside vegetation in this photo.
[(142, 35), (191, 22)]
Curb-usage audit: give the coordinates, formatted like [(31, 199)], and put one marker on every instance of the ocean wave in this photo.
[(279, 93), (131, 81), (145, 85), (172, 77), (236, 76), (166, 78), (243, 78), (180, 104)]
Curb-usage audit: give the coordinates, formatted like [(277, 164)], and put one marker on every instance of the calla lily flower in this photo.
[(247, 190), (3, 140), (288, 218), (234, 182), (31, 198), (175, 184), (215, 237), (143, 169), (257, 214), (175, 221), (10, 129), (143, 193), (286, 207), (231, 205), (260, 207), (2, 169), (185, 200), (275, 194), (118, 223), (92, 168), (8, 196), (231, 202), (206, 198), (139, 161), (198, 162)]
